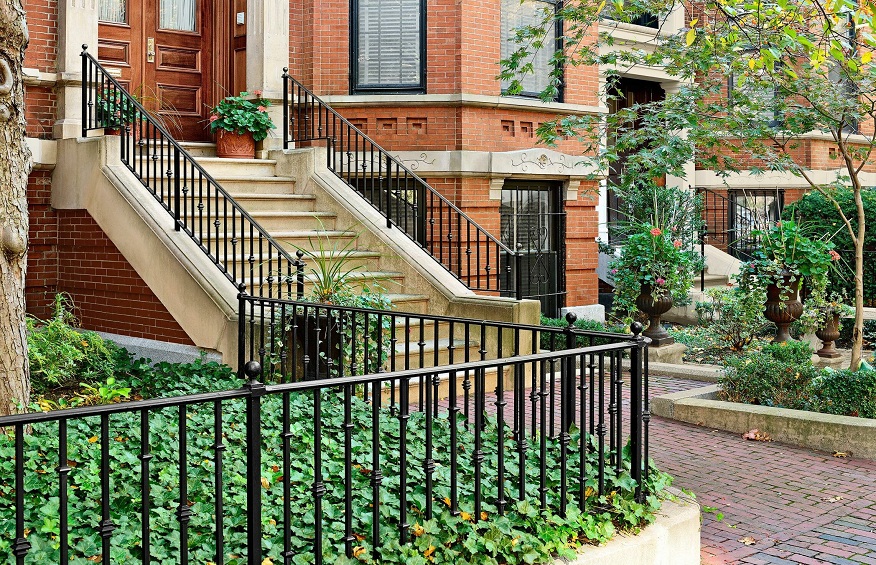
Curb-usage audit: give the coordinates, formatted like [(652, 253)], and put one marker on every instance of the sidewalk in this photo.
[(795, 505)]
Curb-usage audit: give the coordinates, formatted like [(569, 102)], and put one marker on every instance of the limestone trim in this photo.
[(535, 163), (462, 99)]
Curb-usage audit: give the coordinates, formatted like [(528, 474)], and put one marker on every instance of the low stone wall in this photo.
[(824, 432), (673, 539)]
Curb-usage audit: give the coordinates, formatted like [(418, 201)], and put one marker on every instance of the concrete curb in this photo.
[(674, 539), (823, 432), (705, 373)]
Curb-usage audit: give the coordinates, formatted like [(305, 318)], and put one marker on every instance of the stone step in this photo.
[(262, 202), (254, 184), (215, 166), (273, 220), (359, 260), (357, 280)]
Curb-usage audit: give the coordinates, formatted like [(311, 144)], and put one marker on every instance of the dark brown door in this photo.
[(163, 52)]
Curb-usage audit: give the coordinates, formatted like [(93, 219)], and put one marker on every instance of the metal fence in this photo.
[(326, 467)]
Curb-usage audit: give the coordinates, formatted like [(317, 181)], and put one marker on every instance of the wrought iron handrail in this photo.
[(463, 247), (242, 250)]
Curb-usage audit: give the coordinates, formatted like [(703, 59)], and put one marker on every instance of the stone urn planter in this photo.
[(232, 145), (646, 303), (783, 306), (828, 334)]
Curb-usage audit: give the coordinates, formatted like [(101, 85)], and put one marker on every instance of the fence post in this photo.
[(84, 56), (569, 373), (241, 328), (636, 408), (285, 107), (518, 275), (176, 187), (421, 214), (388, 190), (299, 275), (252, 370)]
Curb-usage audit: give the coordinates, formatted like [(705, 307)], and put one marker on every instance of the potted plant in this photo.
[(239, 122), (784, 259), (654, 270), (821, 315), (114, 111)]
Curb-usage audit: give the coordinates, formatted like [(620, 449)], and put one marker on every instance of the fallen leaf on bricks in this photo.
[(757, 435), (748, 540), (842, 453), (832, 499)]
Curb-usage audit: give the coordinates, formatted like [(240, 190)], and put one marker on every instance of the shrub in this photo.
[(60, 354), (553, 342), (846, 393), (733, 315), (779, 375), (818, 213)]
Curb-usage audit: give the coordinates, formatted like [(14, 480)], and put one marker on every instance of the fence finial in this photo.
[(636, 328), (571, 318), (252, 370), (84, 47)]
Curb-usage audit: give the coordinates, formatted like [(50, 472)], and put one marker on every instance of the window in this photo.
[(388, 46), (845, 33), (112, 11), (177, 15), (516, 14), (756, 94)]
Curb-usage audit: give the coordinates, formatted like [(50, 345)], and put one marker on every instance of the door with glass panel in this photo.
[(161, 51)]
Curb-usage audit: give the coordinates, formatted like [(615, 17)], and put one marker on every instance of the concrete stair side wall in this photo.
[(89, 176), (422, 274)]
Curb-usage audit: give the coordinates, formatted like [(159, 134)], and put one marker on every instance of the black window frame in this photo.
[(355, 87), (777, 120), (558, 44)]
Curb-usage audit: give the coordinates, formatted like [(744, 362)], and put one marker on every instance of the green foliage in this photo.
[(778, 375), (62, 355), (556, 341), (653, 256), (114, 110), (241, 113), (847, 393), (820, 214), (524, 534), (734, 315), (786, 249)]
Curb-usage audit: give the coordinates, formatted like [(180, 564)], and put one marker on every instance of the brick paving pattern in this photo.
[(798, 505)]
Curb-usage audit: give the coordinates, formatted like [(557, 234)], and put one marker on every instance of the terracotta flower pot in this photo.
[(235, 145), (655, 308), (112, 130), (828, 334), (783, 306)]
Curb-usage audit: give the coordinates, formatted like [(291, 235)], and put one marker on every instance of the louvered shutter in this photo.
[(389, 43), (516, 14)]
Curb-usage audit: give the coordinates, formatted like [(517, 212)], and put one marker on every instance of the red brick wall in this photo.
[(70, 253), (109, 294), (41, 102), (42, 254)]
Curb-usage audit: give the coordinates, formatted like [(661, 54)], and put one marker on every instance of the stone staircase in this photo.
[(296, 222)]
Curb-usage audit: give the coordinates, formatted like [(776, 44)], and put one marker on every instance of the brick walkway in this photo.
[(798, 505)]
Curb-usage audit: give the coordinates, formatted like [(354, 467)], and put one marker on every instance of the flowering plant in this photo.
[(652, 256), (113, 110), (819, 307), (241, 113), (787, 253)]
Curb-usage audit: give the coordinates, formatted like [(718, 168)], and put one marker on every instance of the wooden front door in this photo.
[(162, 51)]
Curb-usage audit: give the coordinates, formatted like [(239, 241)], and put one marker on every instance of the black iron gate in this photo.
[(534, 224)]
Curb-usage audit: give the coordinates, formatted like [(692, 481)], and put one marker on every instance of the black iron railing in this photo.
[(730, 222), (467, 250), (241, 249), (324, 468)]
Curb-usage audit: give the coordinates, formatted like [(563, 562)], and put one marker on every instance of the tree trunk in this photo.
[(858, 333), (15, 165)]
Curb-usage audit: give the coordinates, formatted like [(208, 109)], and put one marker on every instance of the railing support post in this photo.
[(636, 406), (241, 328), (84, 56), (422, 213), (388, 191), (569, 375), (518, 275), (285, 107), (176, 188), (252, 370), (299, 275), (703, 235)]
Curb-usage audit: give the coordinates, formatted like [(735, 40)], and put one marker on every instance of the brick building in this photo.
[(417, 76)]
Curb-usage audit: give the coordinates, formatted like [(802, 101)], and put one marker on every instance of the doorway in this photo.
[(534, 224), (171, 54)]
